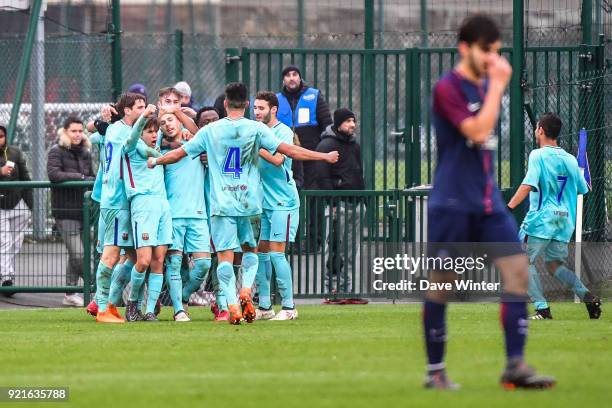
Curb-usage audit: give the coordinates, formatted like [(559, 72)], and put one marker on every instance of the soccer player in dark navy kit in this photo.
[(465, 204)]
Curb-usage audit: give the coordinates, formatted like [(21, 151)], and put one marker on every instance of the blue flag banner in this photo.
[(583, 159)]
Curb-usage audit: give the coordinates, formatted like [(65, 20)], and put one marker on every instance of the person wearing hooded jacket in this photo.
[(346, 174), (15, 207), (305, 111), (70, 160)]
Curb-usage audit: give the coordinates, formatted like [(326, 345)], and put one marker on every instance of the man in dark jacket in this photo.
[(15, 206), (70, 160), (306, 112), (343, 215)]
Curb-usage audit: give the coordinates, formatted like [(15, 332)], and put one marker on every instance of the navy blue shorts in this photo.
[(498, 230)]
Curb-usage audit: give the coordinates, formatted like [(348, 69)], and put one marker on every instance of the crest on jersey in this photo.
[(473, 107), (124, 236), (145, 236)]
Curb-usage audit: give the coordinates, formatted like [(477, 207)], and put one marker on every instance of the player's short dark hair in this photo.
[(551, 123), (3, 128), (127, 100), (168, 90), (480, 29), (269, 97), (236, 95), (202, 110), (70, 120), (152, 122)]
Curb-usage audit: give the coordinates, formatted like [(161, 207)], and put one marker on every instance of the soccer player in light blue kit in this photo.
[(553, 181), (150, 211), (114, 206), (280, 218), (185, 189), (232, 145)]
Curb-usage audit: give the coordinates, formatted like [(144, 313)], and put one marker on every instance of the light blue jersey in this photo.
[(185, 188), (279, 189), (233, 156), (137, 177), (98, 139), (556, 180), (113, 190)]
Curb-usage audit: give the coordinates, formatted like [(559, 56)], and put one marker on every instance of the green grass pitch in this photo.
[(333, 356)]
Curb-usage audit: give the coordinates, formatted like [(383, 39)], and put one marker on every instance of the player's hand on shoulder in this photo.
[(107, 112), (150, 109), (332, 157), (189, 112), (166, 109), (150, 162), (187, 135), (498, 70)]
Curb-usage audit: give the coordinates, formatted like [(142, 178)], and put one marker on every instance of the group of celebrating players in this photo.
[(167, 187)]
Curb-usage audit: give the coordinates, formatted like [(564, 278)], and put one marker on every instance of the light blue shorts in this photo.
[(151, 221), (231, 232), (190, 235), (279, 225), (552, 250), (117, 227), (101, 231)]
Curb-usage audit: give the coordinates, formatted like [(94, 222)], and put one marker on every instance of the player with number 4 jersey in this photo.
[(232, 145)]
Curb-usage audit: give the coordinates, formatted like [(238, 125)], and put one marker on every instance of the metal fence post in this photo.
[(86, 247), (232, 65), (517, 131), (24, 66), (178, 55), (300, 18), (114, 31), (368, 100)]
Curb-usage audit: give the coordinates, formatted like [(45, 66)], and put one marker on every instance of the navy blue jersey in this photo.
[(464, 179)]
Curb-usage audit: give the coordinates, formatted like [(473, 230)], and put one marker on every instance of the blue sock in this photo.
[(137, 279), (174, 281), (284, 278), (154, 286), (571, 280), (119, 280), (184, 269), (220, 298), (103, 280), (514, 322), (250, 265), (141, 296), (196, 277), (434, 325), (227, 282), (264, 274), (535, 289)]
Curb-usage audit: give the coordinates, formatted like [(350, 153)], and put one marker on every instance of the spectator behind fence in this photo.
[(306, 112), (346, 213), (70, 160), (15, 206), (188, 105)]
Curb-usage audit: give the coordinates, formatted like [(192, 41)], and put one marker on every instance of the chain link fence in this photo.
[(71, 74)]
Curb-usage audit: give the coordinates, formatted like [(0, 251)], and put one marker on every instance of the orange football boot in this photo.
[(248, 310), (235, 315)]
